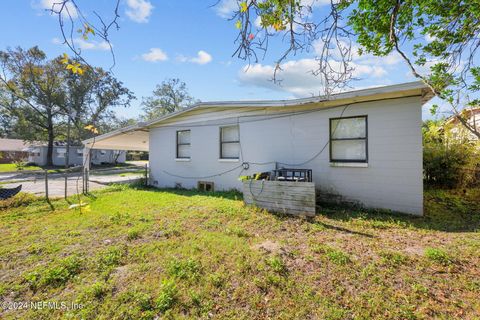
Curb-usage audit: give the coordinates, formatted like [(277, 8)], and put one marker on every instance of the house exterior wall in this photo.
[(107, 156), (37, 155), (75, 156), (392, 180)]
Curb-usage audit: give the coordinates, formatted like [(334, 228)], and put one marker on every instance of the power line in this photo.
[(246, 164)]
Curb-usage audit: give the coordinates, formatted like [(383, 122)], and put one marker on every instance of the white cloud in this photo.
[(297, 78), (225, 8), (86, 44), (155, 55), (139, 10), (68, 11), (202, 57)]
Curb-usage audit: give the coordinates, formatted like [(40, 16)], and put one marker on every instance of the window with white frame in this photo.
[(229, 142), (183, 144), (349, 139), (80, 152)]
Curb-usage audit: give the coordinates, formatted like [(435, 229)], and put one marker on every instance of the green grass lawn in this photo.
[(141, 254), (10, 167)]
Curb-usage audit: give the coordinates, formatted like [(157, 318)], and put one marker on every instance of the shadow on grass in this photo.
[(444, 210), (231, 195)]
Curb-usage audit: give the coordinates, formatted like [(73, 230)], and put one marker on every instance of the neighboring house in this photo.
[(472, 117), (363, 146), (13, 150), (38, 155)]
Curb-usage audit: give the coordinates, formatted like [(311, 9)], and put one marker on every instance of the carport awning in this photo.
[(133, 138)]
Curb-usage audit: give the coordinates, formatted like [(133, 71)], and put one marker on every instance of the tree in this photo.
[(90, 98), (35, 90), (450, 158), (40, 95), (438, 39), (170, 96)]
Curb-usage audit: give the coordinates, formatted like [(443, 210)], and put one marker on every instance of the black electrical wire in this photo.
[(248, 163)]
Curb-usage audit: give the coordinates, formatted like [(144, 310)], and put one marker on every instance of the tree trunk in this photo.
[(51, 139)]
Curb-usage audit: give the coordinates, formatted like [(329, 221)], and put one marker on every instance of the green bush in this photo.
[(19, 200), (449, 159), (20, 164)]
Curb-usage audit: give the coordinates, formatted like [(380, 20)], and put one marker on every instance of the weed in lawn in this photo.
[(167, 297), (109, 260), (56, 275), (195, 298), (99, 289), (120, 218), (420, 290), (133, 234), (392, 258), (237, 231), (217, 279), (277, 264), (59, 274), (438, 256), (184, 269), (334, 255), (35, 249), (138, 302)]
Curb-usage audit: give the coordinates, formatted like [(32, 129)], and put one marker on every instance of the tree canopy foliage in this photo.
[(37, 96), (169, 96), (438, 39)]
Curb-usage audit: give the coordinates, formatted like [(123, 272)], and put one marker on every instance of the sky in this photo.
[(192, 40)]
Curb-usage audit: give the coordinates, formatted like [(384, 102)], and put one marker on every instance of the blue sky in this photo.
[(188, 39)]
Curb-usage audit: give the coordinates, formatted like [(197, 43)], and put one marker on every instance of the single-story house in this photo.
[(363, 146), (13, 150), (472, 117), (38, 154)]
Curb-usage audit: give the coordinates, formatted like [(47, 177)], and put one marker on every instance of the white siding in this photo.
[(392, 180)]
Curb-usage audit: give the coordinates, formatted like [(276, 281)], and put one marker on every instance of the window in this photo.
[(61, 152), (205, 186), (183, 144), (348, 139), (80, 152), (229, 142), (103, 152)]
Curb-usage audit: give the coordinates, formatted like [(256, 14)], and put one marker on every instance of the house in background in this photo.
[(38, 155), (472, 117), (13, 150), (363, 146)]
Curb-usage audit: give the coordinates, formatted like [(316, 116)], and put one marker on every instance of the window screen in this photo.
[(229, 142), (183, 144), (348, 139)]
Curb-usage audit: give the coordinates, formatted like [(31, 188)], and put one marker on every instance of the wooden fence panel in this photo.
[(296, 198)]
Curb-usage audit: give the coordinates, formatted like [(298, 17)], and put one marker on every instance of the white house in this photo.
[(472, 117), (363, 146), (37, 154)]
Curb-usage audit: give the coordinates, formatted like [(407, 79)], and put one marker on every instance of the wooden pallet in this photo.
[(296, 198)]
